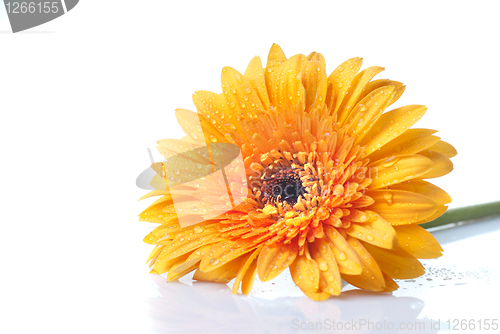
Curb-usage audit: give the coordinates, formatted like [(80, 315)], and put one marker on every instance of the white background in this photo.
[(84, 96)]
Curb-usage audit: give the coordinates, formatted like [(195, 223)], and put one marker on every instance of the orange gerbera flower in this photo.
[(330, 186)]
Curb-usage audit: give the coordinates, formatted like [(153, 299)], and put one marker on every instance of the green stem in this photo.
[(465, 213)]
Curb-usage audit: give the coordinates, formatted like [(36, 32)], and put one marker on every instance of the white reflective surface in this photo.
[(462, 284)]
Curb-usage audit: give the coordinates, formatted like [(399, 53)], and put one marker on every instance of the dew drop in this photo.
[(198, 230), (342, 256), (369, 238)]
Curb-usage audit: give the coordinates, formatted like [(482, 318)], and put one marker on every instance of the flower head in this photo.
[(330, 186)]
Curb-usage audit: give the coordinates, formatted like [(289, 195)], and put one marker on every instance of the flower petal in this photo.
[(425, 188), (222, 274), (255, 74), (275, 58), (390, 125), (418, 242), (305, 273), (398, 169), (249, 278), (192, 122), (397, 263), (367, 111), (273, 259), (286, 89), (341, 78), (240, 94), (317, 296), (329, 275), (371, 277), (356, 88), (444, 148), (390, 284), (399, 88), (247, 260), (410, 142), (315, 81), (346, 257), (377, 232), (442, 164), (225, 251), (399, 207)]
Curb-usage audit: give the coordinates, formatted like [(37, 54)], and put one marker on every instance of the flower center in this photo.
[(284, 186)]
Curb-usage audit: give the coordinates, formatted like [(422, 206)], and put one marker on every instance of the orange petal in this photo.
[(397, 263), (222, 274), (255, 74), (444, 148), (192, 259), (249, 278), (346, 257), (410, 142), (275, 258), (248, 260), (418, 242), (179, 270), (399, 207), (305, 273), (329, 275), (397, 169), (212, 106), (356, 88), (317, 296), (371, 277), (161, 265), (225, 251), (390, 125), (390, 284), (425, 188), (377, 232), (442, 164)]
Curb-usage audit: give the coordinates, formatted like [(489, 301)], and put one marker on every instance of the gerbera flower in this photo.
[(331, 186)]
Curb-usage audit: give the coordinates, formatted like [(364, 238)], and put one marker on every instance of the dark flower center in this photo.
[(284, 186)]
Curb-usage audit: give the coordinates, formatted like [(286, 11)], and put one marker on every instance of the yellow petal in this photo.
[(441, 209), (444, 148), (155, 193), (390, 125), (317, 296), (247, 260), (305, 273), (249, 278), (286, 89), (397, 263), (341, 78), (329, 275), (179, 270), (399, 88), (357, 85), (240, 94), (418, 242), (192, 122), (273, 259), (225, 251), (275, 58), (399, 207), (397, 169), (425, 188), (410, 142), (315, 81), (371, 277), (367, 111), (161, 265), (390, 284), (154, 213), (212, 106), (222, 274), (442, 164), (377, 232), (192, 259), (346, 257), (255, 74)]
